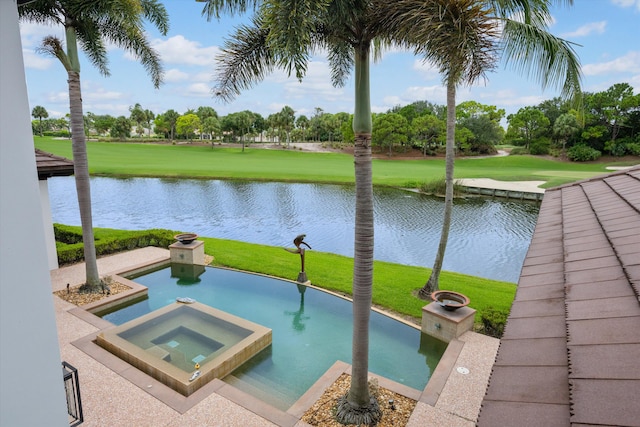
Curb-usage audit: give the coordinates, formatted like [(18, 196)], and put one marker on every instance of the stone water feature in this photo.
[(187, 249), (448, 316)]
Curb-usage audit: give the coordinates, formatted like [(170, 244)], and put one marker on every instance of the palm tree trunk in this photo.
[(362, 269), (360, 407), (432, 284), (81, 172)]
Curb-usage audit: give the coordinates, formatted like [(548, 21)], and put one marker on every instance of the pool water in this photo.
[(311, 331)]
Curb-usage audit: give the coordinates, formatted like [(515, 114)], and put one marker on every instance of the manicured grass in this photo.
[(394, 285), (191, 161)]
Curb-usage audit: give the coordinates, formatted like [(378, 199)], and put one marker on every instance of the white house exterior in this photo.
[(31, 385)]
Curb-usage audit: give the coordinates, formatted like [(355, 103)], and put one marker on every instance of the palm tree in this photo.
[(172, 118), (284, 34), (138, 116), (93, 25), (39, 112), (461, 38), (565, 126), (287, 119)]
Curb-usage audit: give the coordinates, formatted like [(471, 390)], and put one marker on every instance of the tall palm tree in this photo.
[(284, 34), (93, 25), (462, 39), (39, 112)]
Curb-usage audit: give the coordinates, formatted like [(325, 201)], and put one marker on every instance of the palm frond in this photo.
[(130, 37), (41, 12), (214, 8), (245, 60), (291, 27), (459, 37), (534, 12), (550, 60), (156, 13), (52, 46), (90, 38), (341, 62)]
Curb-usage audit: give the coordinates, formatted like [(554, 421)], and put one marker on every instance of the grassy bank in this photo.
[(393, 288), (394, 285), (194, 161)]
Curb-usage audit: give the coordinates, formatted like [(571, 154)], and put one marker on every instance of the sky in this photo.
[(606, 34)]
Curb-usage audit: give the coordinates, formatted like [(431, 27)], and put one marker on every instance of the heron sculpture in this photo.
[(298, 242)]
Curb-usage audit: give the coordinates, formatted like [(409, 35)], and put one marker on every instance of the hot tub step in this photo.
[(260, 390)]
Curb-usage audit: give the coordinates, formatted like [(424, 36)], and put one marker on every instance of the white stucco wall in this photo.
[(31, 383), (49, 236)]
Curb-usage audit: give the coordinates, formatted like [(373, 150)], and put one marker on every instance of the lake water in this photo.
[(488, 238)]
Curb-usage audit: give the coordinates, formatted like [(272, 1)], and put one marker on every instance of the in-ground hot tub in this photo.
[(168, 344)]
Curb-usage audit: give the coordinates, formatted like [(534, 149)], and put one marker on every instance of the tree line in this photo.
[(607, 123)]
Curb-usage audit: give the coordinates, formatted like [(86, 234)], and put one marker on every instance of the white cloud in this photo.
[(32, 34), (36, 61), (507, 98), (100, 94), (627, 3), (110, 108), (179, 50), (57, 97), (92, 92), (436, 94), (276, 107), (426, 69), (629, 63), (316, 83), (202, 77), (174, 75), (587, 29), (198, 89), (394, 100)]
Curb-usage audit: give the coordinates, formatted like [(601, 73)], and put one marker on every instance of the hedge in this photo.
[(70, 248)]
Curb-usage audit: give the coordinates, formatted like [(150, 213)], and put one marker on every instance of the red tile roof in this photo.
[(570, 354)]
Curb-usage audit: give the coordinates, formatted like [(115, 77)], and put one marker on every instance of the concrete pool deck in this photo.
[(452, 397)]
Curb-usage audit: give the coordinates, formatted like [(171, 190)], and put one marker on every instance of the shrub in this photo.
[(67, 234), (518, 151), (70, 248), (494, 321), (438, 186), (633, 148), (625, 147), (540, 147), (57, 133), (582, 153)]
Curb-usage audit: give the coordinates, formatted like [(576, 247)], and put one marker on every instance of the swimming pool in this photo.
[(311, 330)]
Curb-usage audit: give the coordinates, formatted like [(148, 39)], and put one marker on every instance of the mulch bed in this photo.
[(322, 412), (74, 296)]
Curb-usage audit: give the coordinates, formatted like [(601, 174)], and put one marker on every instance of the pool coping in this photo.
[(182, 404)]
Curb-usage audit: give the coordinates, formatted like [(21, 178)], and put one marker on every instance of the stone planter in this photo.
[(186, 238), (450, 300)]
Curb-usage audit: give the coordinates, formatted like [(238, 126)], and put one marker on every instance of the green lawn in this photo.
[(192, 161), (394, 285)]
